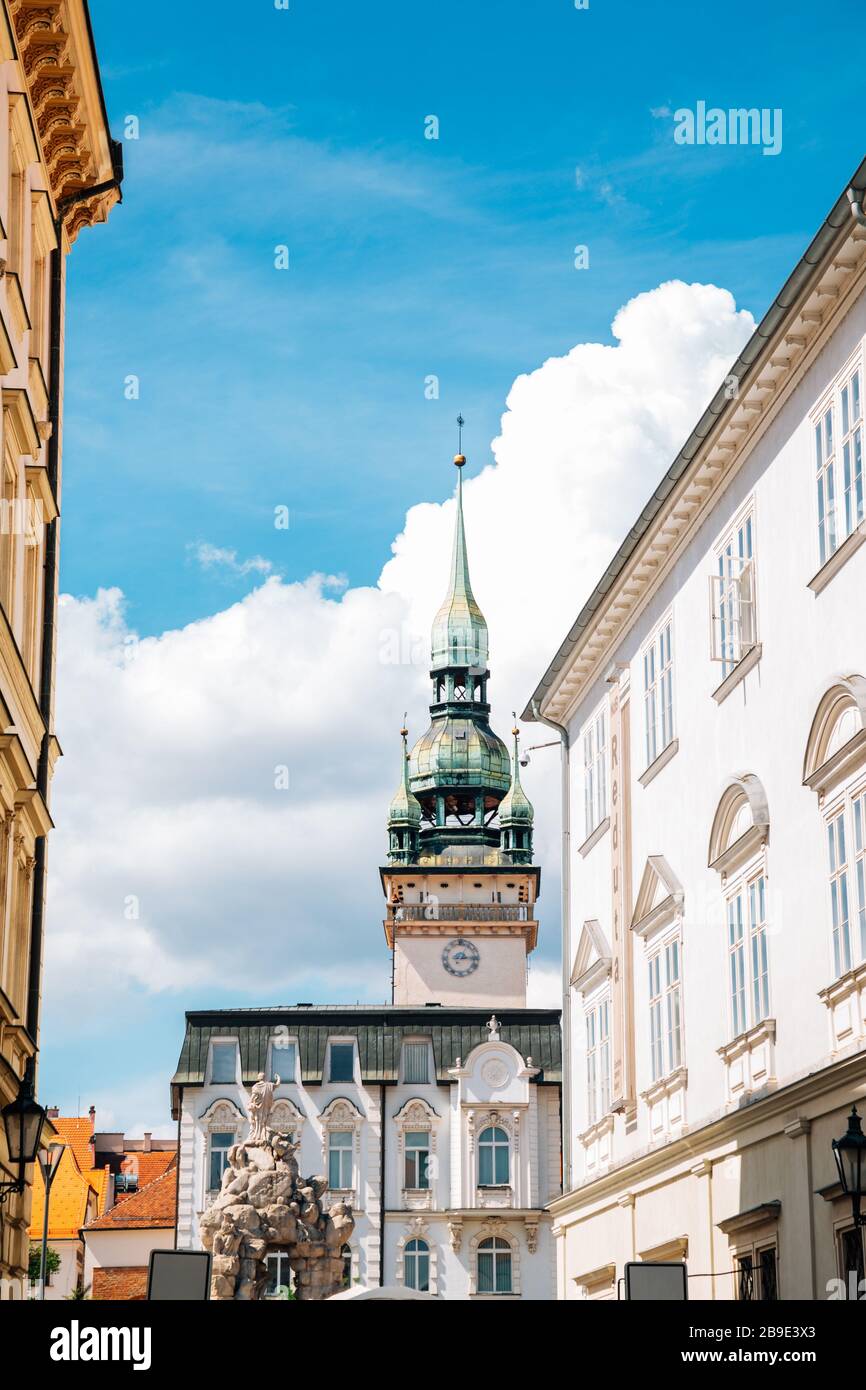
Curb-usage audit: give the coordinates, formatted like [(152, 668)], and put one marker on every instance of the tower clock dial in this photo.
[(461, 957)]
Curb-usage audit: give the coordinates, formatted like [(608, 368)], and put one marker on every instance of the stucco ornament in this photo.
[(264, 1205)]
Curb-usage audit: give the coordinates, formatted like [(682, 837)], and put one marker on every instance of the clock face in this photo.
[(460, 957)]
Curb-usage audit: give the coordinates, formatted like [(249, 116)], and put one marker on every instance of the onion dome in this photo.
[(404, 814), (516, 814)]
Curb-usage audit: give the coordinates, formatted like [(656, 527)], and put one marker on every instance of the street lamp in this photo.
[(49, 1162), (850, 1155), (22, 1121)]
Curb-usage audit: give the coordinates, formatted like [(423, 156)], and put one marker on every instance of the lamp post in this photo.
[(49, 1162), (23, 1120), (850, 1155)]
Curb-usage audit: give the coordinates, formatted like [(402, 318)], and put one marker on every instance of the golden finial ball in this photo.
[(459, 460)]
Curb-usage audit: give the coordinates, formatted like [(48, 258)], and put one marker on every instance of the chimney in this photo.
[(92, 1113), (53, 1113), (147, 1138)]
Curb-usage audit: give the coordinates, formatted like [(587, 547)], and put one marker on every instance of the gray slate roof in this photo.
[(379, 1029)]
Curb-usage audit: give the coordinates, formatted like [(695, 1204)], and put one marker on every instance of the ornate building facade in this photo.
[(711, 697), (436, 1117), (60, 171)]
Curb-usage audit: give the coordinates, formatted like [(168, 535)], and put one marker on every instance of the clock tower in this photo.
[(460, 885)]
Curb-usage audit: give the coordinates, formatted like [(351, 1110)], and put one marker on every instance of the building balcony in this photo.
[(460, 912)]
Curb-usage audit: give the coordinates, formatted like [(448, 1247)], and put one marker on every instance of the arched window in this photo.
[(835, 768), (494, 1266), (493, 1162), (416, 1265), (738, 853)]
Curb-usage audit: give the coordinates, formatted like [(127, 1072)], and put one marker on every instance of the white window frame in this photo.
[(595, 742), (734, 592), (839, 489), (412, 1152), (215, 1044), (342, 1042), (747, 950), (346, 1151), (657, 659), (848, 880), (277, 1043), (503, 1249), (495, 1146), (404, 1058), (667, 1044), (599, 1074)]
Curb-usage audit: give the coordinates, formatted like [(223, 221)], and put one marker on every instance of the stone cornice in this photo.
[(59, 71), (761, 392)]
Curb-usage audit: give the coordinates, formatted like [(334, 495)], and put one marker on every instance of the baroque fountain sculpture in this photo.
[(264, 1205)]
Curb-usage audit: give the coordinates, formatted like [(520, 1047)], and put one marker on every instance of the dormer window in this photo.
[(224, 1063), (342, 1062), (283, 1058), (416, 1063)]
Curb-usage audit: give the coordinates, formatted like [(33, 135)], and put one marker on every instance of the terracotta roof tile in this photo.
[(74, 1199), (120, 1285), (77, 1134), (152, 1206)]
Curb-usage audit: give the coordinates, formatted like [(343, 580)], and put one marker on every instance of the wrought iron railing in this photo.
[(460, 912)]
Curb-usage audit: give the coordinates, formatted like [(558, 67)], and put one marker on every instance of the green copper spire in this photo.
[(459, 770), (404, 814), (516, 814), (459, 629)]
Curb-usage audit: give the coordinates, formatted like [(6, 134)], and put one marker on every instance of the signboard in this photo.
[(179, 1276), (656, 1281)]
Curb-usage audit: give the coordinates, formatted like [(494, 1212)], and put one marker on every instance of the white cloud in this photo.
[(214, 557), (177, 864)]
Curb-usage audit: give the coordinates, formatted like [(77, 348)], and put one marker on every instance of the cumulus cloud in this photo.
[(221, 803)]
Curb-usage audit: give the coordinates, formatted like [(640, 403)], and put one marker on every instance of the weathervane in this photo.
[(460, 458)]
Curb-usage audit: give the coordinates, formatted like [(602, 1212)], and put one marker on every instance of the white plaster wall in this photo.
[(123, 1249), (761, 728), (499, 980)]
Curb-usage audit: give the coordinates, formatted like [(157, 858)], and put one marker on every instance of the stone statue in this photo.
[(264, 1205), (261, 1105)]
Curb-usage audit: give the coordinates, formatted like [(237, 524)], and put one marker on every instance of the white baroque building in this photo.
[(442, 1132), (711, 696)]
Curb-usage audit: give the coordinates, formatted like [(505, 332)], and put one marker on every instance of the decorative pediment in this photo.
[(592, 963), (416, 1114), (223, 1114), (341, 1113), (660, 897), (286, 1118), (741, 824), (837, 739)]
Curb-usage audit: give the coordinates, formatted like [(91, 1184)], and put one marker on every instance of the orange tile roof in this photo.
[(120, 1284), (147, 1167), (74, 1201), (152, 1206), (77, 1134)]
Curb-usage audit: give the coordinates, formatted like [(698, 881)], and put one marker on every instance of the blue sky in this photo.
[(305, 388), (408, 257)]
